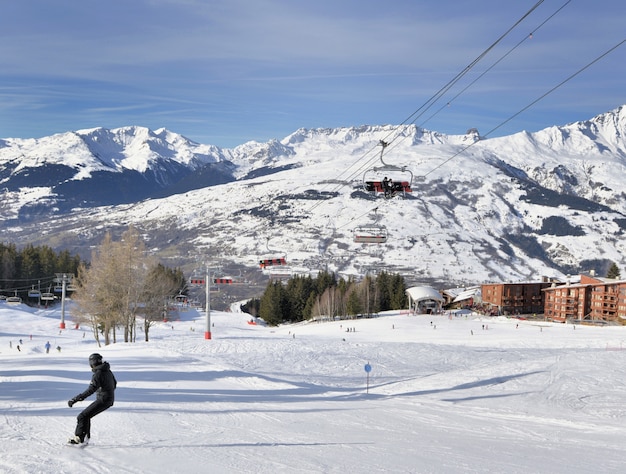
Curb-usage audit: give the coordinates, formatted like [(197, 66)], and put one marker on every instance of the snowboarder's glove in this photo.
[(72, 401)]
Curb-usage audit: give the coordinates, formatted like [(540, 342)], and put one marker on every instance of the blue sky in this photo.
[(226, 72)]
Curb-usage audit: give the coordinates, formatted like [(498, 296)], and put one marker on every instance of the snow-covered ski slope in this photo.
[(515, 397)]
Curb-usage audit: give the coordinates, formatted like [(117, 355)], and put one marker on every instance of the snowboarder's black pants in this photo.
[(83, 427)]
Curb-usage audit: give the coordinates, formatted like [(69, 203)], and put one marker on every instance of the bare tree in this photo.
[(327, 304), (95, 295), (159, 286), (117, 286)]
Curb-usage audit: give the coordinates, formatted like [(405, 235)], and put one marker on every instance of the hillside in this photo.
[(482, 209)]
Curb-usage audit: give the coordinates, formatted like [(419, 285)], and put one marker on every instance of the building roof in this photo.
[(467, 294), (419, 293)]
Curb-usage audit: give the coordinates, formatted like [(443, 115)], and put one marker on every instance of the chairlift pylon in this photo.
[(388, 180)]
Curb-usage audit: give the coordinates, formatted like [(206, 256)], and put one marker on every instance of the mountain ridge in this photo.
[(505, 208)]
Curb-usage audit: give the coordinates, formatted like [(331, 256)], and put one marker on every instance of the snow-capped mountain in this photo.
[(97, 167), (481, 209)]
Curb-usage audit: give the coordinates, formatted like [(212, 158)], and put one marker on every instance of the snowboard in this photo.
[(80, 445)]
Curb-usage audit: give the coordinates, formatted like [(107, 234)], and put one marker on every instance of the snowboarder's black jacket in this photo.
[(102, 381)]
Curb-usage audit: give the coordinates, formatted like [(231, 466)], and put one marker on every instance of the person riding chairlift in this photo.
[(387, 186)]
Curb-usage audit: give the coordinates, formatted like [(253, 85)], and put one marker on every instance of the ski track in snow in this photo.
[(537, 398)]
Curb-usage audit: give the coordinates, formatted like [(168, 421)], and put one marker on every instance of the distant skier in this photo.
[(103, 382), (48, 347)]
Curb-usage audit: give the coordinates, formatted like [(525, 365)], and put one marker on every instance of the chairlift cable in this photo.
[(429, 103), (498, 61), (356, 217), (541, 97), (481, 75), (435, 97)]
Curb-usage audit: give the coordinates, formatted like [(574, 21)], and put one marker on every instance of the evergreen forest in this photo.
[(326, 297), (33, 268)]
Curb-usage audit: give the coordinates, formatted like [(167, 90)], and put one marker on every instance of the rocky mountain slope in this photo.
[(510, 208)]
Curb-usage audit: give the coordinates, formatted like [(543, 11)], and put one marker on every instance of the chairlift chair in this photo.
[(271, 261), (181, 299), (387, 179), (281, 273), (370, 235), (34, 293), (14, 300), (197, 281), (223, 281)]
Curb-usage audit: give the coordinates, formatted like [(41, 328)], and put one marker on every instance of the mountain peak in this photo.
[(509, 208)]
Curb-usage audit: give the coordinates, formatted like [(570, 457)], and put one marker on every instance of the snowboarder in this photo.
[(103, 382)]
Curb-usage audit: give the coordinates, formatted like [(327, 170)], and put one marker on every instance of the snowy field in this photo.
[(515, 397)]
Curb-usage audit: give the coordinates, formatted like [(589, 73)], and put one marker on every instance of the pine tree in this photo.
[(272, 304), (354, 301), (613, 271)]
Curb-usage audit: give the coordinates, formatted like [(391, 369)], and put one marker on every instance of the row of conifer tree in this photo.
[(327, 297), (32, 268)]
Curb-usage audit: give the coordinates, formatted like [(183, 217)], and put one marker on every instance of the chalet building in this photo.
[(593, 299), (514, 298), (462, 297)]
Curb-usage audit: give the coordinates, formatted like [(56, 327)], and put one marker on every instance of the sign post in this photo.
[(368, 369)]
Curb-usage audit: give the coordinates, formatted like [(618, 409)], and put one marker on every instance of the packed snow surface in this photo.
[(446, 394)]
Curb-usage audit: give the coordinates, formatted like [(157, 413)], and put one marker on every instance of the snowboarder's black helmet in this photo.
[(95, 360)]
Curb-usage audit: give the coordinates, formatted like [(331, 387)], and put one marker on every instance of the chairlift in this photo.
[(231, 280), (14, 300), (47, 296), (373, 234), (273, 260), (281, 273), (181, 299), (387, 179), (32, 293), (270, 262), (223, 281), (197, 281)]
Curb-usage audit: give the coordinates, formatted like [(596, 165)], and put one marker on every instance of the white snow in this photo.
[(480, 209), (515, 397)]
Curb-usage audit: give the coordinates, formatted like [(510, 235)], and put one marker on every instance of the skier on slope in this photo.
[(103, 382)]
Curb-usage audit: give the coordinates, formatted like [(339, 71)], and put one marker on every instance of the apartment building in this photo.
[(593, 299), (514, 298)]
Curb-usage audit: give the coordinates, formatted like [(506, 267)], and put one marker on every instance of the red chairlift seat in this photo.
[(223, 281), (387, 179), (395, 186), (270, 262)]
